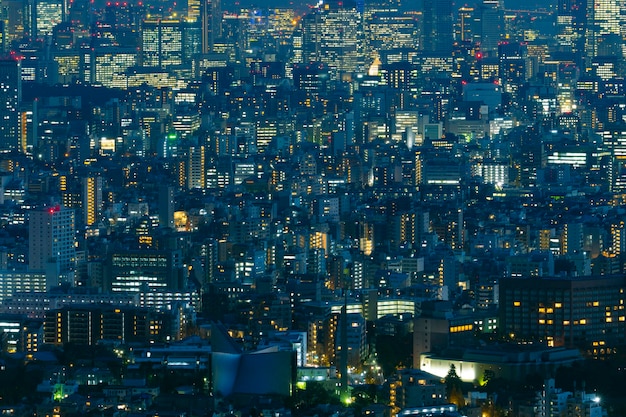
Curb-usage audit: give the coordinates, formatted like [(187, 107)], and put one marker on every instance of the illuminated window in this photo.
[(558, 305), (516, 304)]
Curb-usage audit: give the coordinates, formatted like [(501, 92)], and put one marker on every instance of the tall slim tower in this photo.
[(196, 168), (491, 26), (571, 23), (92, 199), (211, 19), (166, 206), (51, 233), (10, 98)]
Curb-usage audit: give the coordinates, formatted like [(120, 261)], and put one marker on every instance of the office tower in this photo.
[(109, 65), (18, 19), (80, 14), (194, 10), (386, 27), (145, 271), (467, 26), (211, 21), (49, 13), (92, 199), (162, 43), (192, 41), (333, 35), (121, 15), (575, 311), (312, 78), (602, 32), (491, 27), (571, 23), (512, 59), (51, 233), (438, 30), (10, 98), (400, 76)]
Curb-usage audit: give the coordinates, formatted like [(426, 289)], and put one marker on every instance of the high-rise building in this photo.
[(438, 28), (18, 19), (512, 58), (49, 13), (333, 34), (491, 26), (196, 168), (211, 21), (571, 23), (51, 233), (10, 98), (166, 206), (28, 126), (387, 28), (467, 26), (162, 42), (604, 21), (92, 199)]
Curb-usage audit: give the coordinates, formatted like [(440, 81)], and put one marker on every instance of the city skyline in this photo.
[(357, 208)]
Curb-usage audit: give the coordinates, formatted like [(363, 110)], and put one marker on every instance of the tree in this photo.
[(454, 389), (452, 378)]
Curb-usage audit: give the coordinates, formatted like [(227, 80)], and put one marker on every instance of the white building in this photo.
[(52, 233)]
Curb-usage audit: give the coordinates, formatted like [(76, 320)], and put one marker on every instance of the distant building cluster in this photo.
[(314, 179)]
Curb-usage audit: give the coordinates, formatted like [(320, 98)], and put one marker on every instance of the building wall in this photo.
[(587, 312)]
